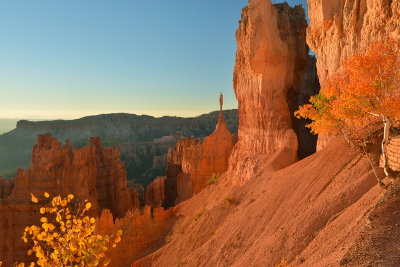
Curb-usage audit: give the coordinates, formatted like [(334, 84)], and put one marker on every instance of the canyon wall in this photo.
[(340, 29), (271, 60)]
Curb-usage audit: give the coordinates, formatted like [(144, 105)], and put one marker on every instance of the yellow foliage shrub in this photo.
[(66, 237)]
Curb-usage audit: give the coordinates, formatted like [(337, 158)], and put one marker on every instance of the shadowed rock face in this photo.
[(309, 87), (92, 172), (271, 60), (340, 29)]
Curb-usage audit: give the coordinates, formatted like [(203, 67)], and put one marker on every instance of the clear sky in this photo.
[(72, 58)]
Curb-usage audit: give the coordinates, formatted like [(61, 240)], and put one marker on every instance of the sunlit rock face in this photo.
[(143, 233), (92, 172), (340, 29), (271, 60), (200, 161), (192, 162)]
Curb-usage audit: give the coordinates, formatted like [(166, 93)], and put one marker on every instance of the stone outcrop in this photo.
[(271, 60), (340, 29), (155, 193), (136, 189), (92, 172), (142, 233), (192, 162), (135, 198), (202, 160)]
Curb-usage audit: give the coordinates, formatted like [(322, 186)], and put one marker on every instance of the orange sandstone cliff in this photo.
[(340, 29), (271, 60)]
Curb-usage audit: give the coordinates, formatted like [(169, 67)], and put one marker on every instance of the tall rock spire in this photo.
[(221, 117)]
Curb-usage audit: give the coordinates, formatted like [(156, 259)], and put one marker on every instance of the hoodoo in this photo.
[(271, 60), (193, 162)]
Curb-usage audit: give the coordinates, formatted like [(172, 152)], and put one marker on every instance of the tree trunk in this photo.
[(385, 140), (381, 184)]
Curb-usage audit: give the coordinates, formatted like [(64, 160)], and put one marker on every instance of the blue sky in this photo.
[(68, 59)]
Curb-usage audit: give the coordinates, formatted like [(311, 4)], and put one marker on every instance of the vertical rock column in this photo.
[(269, 67)]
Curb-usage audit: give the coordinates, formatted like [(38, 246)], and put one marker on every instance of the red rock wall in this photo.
[(340, 29), (142, 233), (92, 172), (270, 62)]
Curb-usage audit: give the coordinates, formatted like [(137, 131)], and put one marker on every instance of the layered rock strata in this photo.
[(271, 60), (340, 29)]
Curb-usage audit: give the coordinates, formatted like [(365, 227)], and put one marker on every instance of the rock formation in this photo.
[(93, 172), (192, 162), (136, 190), (135, 198), (200, 161), (309, 87), (271, 60), (142, 233), (6, 185), (138, 138), (174, 172), (340, 29), (155, 193)]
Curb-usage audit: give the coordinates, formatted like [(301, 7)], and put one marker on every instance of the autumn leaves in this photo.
[(368, 89), (66, 236)]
